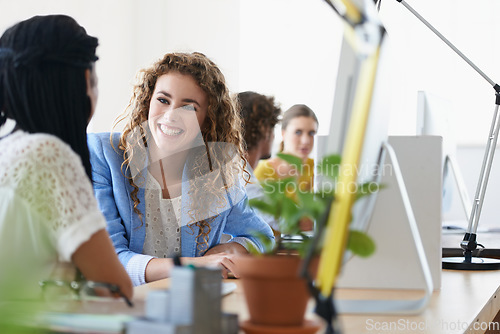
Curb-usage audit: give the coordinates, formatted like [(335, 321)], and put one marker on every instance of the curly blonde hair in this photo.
[(222, 125)]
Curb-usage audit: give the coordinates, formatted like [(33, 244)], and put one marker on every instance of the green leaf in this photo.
[(289, 224), (252, 249), (292, 160), (264, 206), (275, 189), (326, 193), (270, 187), (360, 243), (307, 243), (310, 204), (289, 210), (329, 166), (367, 188), (268, 244), (284, 184)]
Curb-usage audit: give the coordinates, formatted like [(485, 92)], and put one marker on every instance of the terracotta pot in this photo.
[(275, 294)]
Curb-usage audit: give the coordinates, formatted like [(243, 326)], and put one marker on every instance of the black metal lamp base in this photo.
[(476, 263)]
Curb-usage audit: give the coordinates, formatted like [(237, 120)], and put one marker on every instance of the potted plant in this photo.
[(275, 292)]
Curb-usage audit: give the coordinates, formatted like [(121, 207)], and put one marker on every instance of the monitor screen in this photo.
[(359, 128), (376, 131)]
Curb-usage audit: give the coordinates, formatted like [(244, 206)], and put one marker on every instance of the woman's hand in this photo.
[(221, 256), (222, 261), (161, 268), (97, 260)]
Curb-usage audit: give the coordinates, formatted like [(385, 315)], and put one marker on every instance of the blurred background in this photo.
[(290, 49)]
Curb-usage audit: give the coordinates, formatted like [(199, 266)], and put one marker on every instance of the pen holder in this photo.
[(196, 298)]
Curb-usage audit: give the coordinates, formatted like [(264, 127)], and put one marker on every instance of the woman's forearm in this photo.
[(158, 269)]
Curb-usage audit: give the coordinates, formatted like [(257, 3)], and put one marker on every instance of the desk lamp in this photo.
[(366, 33), (469, 243)]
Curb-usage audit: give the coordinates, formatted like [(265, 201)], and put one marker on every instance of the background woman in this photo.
[(49, 219), (171, 183), (298, 129)]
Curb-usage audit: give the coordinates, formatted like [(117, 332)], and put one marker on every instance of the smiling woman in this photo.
[(177, 109), (170, 184)]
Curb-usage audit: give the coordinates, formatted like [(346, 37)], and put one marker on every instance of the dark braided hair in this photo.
[(42, 79)]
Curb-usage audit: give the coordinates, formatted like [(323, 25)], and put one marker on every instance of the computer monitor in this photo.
[(376, 131), (359, 129), (386, 216), (363, 102), (433, 119)]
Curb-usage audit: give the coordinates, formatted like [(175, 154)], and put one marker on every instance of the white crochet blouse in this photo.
[(47, 208), (163, 220)]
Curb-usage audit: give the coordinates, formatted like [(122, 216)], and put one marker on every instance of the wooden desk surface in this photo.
[(466, 302), (465, 298)]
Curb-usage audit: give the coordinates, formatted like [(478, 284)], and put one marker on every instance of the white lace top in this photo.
[(47, 207), (163, 220)]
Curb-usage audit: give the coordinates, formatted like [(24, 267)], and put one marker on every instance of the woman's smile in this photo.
[(170, 131)]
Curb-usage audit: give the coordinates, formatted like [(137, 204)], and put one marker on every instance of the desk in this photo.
[(465, 299)]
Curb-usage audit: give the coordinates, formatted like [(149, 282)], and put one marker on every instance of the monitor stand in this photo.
[(395, 306)]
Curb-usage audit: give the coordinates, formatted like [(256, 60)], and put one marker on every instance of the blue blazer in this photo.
[(126, 230)]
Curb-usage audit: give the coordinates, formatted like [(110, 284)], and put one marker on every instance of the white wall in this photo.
[(286, 48), (132, 34), (114, 23), (428, 64), (290, 49), (470, 159)]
